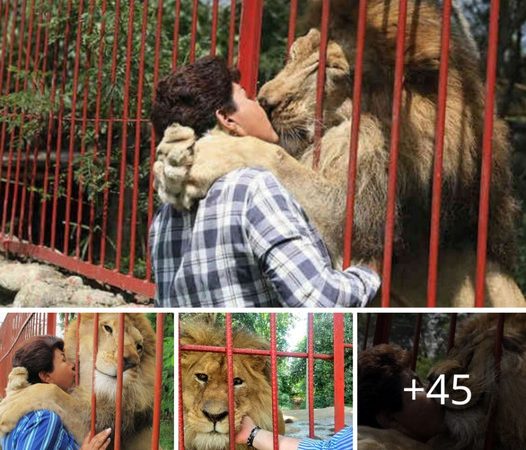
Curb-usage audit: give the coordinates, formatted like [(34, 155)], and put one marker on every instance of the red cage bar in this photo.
[(50, 208), (17, 328), (273, 353)]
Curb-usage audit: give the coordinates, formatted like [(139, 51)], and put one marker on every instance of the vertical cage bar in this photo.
[(293, 14), (439, 150), (339, 371), (383, 329), (230, 380), (124, 139), (213, 32), (310, 371), (175, 48), (193, 33), (93, 431), (249, 44), (416, 341), (120, 377), (489, 443), (69, 182), (180, 393), (231, 32), (137, 150), (320, 83), (393, 151), (485, 176), (452, 331), (159, 342), (355, 133), (274, 380), (366, 332), (77, 348)]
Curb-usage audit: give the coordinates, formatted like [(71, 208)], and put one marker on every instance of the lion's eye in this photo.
[(139, 347), (108, 328), (238, 381), (202, 377)]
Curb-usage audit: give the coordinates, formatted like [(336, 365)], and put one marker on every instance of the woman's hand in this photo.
[(247, 425), (99, 442)]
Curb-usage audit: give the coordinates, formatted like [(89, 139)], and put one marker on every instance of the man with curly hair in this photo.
[(248, 242)]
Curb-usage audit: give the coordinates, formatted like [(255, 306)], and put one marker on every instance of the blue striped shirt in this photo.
[(249, 243), (39, 430), (340, 441)]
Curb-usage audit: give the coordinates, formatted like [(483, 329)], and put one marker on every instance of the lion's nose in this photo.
[(214, 418), (266, 105), (129, 363)]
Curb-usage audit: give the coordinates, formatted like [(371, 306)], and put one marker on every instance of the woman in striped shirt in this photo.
[(44, 359)]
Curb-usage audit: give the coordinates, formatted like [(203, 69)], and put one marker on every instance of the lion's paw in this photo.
[(17, 380)]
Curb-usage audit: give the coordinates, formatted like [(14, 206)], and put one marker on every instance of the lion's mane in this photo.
[(205, 391)]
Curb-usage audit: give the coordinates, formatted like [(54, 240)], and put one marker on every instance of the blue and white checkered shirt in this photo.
[(248, 243)]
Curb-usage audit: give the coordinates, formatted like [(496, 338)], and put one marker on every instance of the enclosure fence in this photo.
[(381, 335), (17, 328), (337, 358), (76, 147)]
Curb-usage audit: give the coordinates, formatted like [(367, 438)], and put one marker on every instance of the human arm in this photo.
[(293, 257), (263, 440)]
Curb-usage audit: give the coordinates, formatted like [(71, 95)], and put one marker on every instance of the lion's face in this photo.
[(139, 359), (290, 97), (205, 389)]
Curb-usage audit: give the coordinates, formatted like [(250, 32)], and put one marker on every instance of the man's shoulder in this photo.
[(251, 178)]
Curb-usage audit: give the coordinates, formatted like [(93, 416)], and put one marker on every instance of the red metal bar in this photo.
[(213, 32), (416, 341), (339, 371), (181, 407), (69, 182), (292, 23), (124, 138), (109, 143), (97, 121), (94, 361), (485, 176), (43, 211), (310, 372), (452, 331), (383, 329), (176, 34), (231, 32), (152, 133), (87, 67), (193, 36), (120, 376), (320, 83), (137, 155), (159, 341), (274, 380), (253, 351), (99, 273), (58, 148), (489, 443), (249, 45), (355, 133), (12, 134), (51, 324), (393, 162), (77, 349), (439, 150), (230, 380)]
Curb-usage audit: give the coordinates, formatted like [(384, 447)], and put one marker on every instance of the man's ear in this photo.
[(44, 376), (227, 122)]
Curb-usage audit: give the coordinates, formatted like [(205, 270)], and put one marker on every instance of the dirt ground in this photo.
[(323, 422)]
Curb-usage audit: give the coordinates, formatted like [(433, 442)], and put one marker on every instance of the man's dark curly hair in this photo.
[(380, 386), (192, 94)]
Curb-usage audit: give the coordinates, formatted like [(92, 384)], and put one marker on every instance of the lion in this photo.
[(473, 354), (75, 408), (205, 389), (289, 99), (370, 438)]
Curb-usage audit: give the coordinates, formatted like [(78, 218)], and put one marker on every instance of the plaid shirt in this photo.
[(248, 243)]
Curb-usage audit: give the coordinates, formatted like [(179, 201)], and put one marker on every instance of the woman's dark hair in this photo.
[(37, 356), (380, 370), (192, 94)]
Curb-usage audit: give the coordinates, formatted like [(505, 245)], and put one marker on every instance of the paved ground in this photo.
[(323, 422)]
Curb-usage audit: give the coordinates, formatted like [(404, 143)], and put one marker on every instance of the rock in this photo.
[(95, 297), (42, 294)]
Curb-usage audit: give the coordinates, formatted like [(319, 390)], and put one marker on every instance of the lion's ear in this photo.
[(336, 58)]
